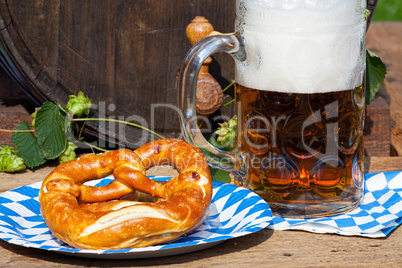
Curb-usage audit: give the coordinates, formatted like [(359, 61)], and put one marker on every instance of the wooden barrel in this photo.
[(124, 55)]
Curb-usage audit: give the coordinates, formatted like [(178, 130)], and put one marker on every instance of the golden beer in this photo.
[(304, 152)]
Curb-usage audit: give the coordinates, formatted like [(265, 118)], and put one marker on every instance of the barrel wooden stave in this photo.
[(124, 55)]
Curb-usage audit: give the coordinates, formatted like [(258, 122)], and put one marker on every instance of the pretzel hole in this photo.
[(162, 170), (140, 197)]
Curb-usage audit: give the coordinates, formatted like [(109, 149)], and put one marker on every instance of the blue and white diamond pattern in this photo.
[(234, 212), (377, 216)]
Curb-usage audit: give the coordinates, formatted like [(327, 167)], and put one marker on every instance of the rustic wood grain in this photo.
[(380, 164), (266, 248), (12, 113), (377, 129), (385, 39), (123, 54)]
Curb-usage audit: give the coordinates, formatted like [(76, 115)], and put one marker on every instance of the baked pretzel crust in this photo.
[(98, 218)]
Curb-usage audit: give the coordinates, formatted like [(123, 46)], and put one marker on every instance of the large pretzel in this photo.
[(92, 217)]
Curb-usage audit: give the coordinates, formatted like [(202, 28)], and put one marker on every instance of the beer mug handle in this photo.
[(187, 86)]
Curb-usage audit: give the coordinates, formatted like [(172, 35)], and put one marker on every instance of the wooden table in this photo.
[(266, 248)]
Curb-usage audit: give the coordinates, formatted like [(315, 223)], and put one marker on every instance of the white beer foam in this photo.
[(305, 46)]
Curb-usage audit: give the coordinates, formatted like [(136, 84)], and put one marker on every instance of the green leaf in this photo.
[(220, 175), (375, 75), (27, 146), (50, 124)]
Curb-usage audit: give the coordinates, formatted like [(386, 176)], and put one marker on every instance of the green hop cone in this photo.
[(68, 154), (227, 134), (78, 105), (9, 161), (367, 14), (233, 123), (7, 150)]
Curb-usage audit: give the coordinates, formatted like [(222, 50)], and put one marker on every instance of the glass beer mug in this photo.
[(300, 73)]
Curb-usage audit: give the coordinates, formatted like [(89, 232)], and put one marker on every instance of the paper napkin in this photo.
[(379, 213)]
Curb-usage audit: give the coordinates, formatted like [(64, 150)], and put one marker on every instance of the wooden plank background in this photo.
[(123, 54)]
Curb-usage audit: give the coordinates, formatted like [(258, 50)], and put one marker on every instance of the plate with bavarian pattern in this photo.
[(234, 212)]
